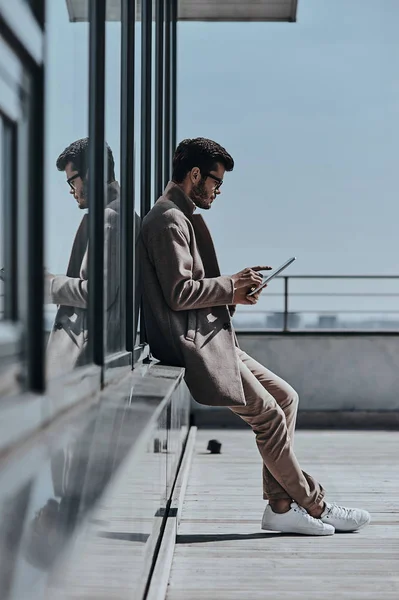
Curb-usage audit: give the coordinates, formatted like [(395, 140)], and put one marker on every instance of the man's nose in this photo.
[(218, 192), (71, 191)]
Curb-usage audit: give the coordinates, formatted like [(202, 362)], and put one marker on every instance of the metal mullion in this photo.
[(127, 170), (146, 104), (146, 114), (9, 167), (173, 117), (159, 95), (38, 8), (167, 99), (96, 178), (35, 241)]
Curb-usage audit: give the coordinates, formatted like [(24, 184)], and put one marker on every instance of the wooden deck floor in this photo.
[(222, 554)]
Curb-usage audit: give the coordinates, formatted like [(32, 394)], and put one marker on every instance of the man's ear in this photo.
[(195, 175)]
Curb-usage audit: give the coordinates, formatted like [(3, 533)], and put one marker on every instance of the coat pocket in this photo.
[(191, 328)]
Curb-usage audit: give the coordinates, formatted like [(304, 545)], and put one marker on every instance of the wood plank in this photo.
[(222, 554)]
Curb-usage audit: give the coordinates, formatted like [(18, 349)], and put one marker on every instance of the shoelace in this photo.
[(309, 517), (339, 511)]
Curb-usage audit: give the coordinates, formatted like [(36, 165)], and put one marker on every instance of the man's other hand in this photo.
[(244, 281), (241, 297)]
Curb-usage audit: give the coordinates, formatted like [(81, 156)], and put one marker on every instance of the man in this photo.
[(67, 347), (187, 308)]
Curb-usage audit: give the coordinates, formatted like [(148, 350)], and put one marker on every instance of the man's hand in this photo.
[(48, 278), (244, 281)]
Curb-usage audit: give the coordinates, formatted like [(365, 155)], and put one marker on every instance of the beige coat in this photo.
[(67, 345), (186, 300)]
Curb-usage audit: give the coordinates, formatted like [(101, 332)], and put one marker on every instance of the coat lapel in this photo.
[(78, 249), (205, 246), (82, 235)]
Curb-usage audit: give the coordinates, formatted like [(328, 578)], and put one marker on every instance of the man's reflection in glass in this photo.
[(67, 345), (56, 520)]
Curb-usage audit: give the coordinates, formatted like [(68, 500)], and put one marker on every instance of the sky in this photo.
[(309, 111)]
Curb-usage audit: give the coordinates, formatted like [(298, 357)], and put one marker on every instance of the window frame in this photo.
[(128, 232), (96, 179), (159, 97), (23, 33), (167, 94)]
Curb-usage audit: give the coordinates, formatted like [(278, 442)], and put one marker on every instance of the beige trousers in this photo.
[(271, 411)]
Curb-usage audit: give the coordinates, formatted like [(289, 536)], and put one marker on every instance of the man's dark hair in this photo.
[(201, 153), (77, 153)]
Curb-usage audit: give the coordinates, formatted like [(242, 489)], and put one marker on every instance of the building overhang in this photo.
[(203, 10)]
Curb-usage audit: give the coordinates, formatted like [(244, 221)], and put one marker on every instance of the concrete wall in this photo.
[(337, 373), (333, 372)]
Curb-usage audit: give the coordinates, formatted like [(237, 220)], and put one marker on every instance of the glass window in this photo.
[(66, 169), (114, 305)]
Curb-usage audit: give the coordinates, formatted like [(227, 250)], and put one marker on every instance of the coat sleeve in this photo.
[(169, 252), (69, 291), (73, 291)]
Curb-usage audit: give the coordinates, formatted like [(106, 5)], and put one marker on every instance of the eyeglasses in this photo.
[(69, 181), (219, 181)]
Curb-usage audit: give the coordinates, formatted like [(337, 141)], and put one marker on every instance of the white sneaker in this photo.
[(345, 519), (296, 520)]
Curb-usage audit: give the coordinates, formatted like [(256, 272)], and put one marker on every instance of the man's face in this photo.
[(78, 186), (206, 186)]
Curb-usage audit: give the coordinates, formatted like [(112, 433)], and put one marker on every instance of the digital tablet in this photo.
[(269, 277)]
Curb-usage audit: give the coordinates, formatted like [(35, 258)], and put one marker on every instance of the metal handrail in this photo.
[(286, 294)]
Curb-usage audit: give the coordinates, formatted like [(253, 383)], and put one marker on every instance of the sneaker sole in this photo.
[(312, 533), (357, 528)]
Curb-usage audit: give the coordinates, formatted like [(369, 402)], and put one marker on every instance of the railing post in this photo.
[(285, 327)]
